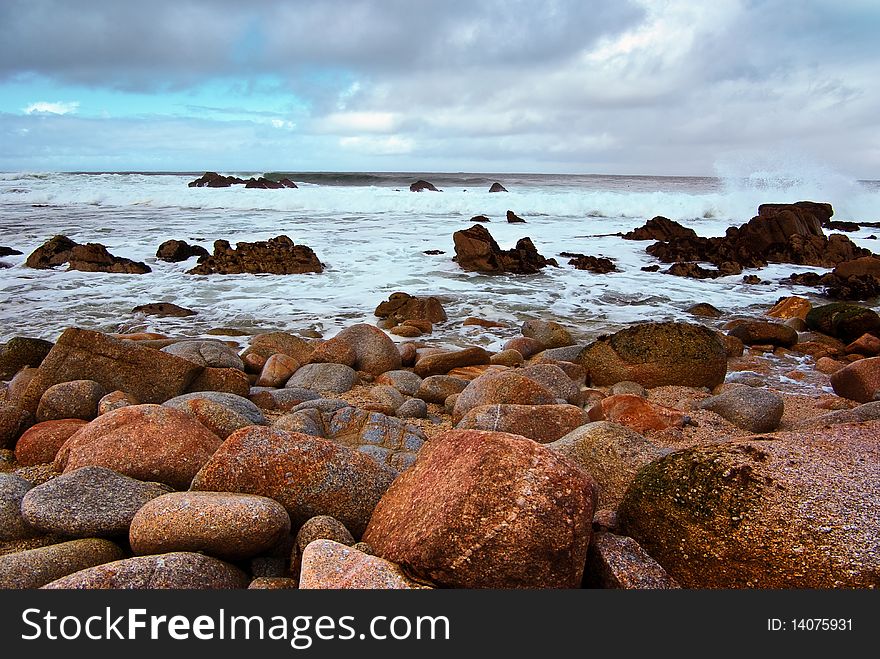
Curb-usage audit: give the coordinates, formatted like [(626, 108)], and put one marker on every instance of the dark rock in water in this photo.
[(263, 183), (597, 264), (287, 183), (8, 251), (513, 218), (54, 252), (179, 250), (420, 185), (751, 279), (841, 226), (433, 252), (856, 279), (651, 268), (843, 320), (215, 180), (780, 233), (403, 306), (480, 218), (705, 310), (497, 187), (94, 257), (476, 250), (21, 351), (695, 271), (163, 309), (277, 256), (660, 228)]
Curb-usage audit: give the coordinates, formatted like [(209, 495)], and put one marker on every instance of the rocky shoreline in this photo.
[(664, 455)]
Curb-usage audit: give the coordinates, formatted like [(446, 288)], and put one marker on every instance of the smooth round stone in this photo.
[(12, 490), (336, 378), (323, 527), (77, 399), (39, 444), (226, 525), (35, 567), (214, 354), (88, 502), (406, 382), (414, 408), (222, 413), (176, 570)]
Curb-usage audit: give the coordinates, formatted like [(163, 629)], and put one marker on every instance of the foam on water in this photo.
[(372, 239)]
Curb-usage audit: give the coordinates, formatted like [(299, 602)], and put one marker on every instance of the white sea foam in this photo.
[(372, 239)]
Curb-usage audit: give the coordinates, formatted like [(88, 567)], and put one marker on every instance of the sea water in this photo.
[(372, 233)]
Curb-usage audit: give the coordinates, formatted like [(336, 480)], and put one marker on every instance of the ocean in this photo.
[(371, 233)]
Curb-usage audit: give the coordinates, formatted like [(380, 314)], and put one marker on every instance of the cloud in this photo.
[(44, 107)]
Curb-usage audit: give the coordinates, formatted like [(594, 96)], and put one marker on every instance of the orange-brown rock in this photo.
[(637, 413), (506, 386), (791, 307), (859, 381), (542, 423), (277, 256), (442, 363), (40, 443), (277, 370), (403, 306)]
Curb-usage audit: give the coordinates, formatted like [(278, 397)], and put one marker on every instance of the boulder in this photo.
[(866, 344), (501, 387), (277, 370), (406, 382), (209, 353), (542, 423), (94, 257), (77, 399), (497, 187), (548, 333), (790, 307), (487, 510), (12, 524), (215, 180), (422, 185), (611, 453), (524, 345), (221, 380), (660, 228), (40, 443), (149, 375), (276, 256), (513, 218), (323, 527), (147, 442), (414, 408), (54, 252), (437, 388), (554, 378), (657, 354), (403, 306), (859, 381), (617, 561), (20, 352), (374, 351), (13, 420), (749, 408), (598, 264), (221, 413), (336, 378), (164, 309), (307, 475), (34, 568), (88, 502), (477, 251), (175, 251), (221, 524), (843, 320), (761, 333), (176, 571), (704, 310), (443, 362), (329, 565), (270, 343), (797, 512), (282, 400)]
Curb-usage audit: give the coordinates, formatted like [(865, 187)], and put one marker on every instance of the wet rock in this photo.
[(611, 453), (497, 187), (794, 512), (77, 399), (617, 561), (12, 524), (478, 218), (93, 257), (542, 423), (163, 309), (866, 344), (175, 251), (221, 413), (215, 180), (403, 306), (657, 354), (176, 571), (749, 408), (40, 443), (334, 566), (276, 256), (151, 376), (324, 377), (146, 442), (660, 228), (598, 264), (442, 363), (88, 502), (502, 387), (704, 310), (843, 320), (422, 185), (637, 413), (34, 568), (549, 334), (476, 250), (524, 345), (790, 307), (487, 510), (309, 476), (277, 370), (20, 352), (508, 358), (54, 252), (513, 218), (859, 381), (228, 526), (761, 333)]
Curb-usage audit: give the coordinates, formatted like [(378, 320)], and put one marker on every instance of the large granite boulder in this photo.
[(487, 510), (476, 250), (276, 256)]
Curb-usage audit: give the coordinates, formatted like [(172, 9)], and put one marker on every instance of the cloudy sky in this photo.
[(580, 86)]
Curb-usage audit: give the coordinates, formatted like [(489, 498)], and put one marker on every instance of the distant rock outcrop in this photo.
[(497, 187), (215, 180), (660, 228), (421, 185), (91, 257), (513, 218), (476, 250), (276, 256)]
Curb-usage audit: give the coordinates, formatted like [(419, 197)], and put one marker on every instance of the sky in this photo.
[(579, 86)]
